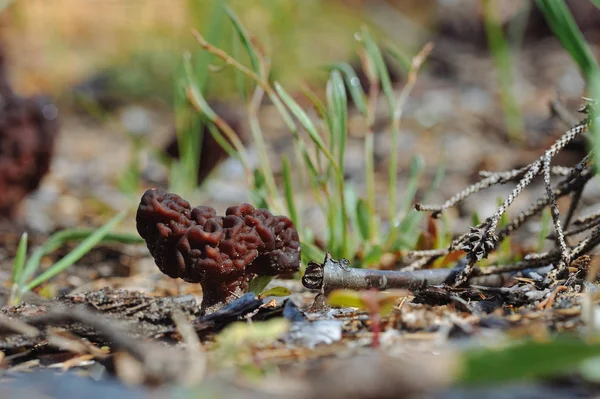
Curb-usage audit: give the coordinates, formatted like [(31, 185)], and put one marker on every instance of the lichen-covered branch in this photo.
[(484, 238)]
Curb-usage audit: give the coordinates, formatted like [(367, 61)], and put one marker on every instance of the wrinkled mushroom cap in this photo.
[(222, 253)]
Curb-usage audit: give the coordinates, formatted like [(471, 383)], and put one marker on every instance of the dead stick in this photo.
[(332, 274)]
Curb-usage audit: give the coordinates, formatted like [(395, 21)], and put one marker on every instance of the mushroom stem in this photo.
[(333, 274)]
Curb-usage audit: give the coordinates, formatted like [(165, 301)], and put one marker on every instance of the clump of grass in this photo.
[(354, 229), (24, 268)]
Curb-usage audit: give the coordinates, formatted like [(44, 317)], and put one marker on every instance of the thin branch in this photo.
[(555, 213)]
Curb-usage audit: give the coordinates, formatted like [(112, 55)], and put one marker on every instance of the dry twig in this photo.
[(484, 238)]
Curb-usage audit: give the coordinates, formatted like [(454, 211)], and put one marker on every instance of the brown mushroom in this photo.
[(28, 129), (222, 253)]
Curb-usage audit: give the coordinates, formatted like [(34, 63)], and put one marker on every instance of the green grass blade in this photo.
[(363, 217), (19, 261), (504, 64), (437, 179), (222, 141), (78, 252), (402, 59), (374, 54), (264, 162), (382, 72), (197, 97), (352, 235), (596, 3), (240, 78), (60, 238), (417, 164), (213, 34), (402, 231), (475, 219), (288, 187), (370, 182), (311, 252), (76, 234), (594, 88), (316, 103), (259, 190), (408, 224), (244, 39), (304, 119), (353, 84), (340, 115), (186, 138), (315, 137), (563, 25), (299, 145), (333, 233), (189, 123), (544, 229)]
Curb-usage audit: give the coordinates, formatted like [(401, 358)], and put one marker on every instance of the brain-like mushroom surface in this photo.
[(222, 253)]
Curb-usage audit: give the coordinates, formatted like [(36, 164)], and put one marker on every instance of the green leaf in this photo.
[(258, 284), (244, 335), (78, 252), (19, 261), (563, 25), (525, 361), (276, 291), (346, 299)]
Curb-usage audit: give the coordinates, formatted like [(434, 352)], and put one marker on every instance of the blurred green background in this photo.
[(136, 46)]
